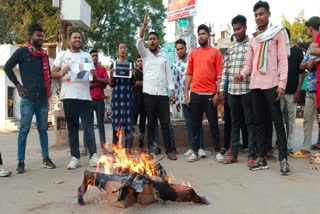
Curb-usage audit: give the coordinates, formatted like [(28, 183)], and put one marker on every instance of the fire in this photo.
[(121, 161), (139, 163)]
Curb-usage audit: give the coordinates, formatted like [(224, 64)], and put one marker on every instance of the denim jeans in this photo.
[(28, 108), (73, 109), (186, 110), (199, 105)]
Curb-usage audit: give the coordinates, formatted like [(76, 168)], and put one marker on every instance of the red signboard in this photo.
[(178, 9)]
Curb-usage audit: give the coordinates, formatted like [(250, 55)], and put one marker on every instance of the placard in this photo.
[(122, 70), (79, 72)]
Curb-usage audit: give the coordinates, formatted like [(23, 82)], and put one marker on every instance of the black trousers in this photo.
[(241, 109), (261, 100), (157, 107), (204, 104), (73, 109), (139, 111)]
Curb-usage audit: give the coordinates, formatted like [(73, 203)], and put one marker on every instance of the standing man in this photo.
[(139, 110), (97, 86), (203, 75), (292, 96), (158, 80), (179, 71), (35, 91), (315, 50), (239, 94), (76, 97), (310, 107), (267, 62)]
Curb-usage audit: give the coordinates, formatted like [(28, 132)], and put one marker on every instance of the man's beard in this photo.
[(203, 44), (37, 43), (75, 47)]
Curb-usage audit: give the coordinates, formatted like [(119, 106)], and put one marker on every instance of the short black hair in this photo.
[(138, 56), (239, 19), (74, 31), (33, 28), (153, 33), (181, 41), (313, 22), (203, 27), (263, 4), (121, 42), (93, 51), (288, 32)]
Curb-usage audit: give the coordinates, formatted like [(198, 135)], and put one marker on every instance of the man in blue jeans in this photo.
[(179, 71), (35, 90)]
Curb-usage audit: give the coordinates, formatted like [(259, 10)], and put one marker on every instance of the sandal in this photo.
[(316, 154), (315, 146), (300, 154), (229, 160), (314, 160)]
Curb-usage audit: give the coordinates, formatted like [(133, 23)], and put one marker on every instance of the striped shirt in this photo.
[(233, 64)]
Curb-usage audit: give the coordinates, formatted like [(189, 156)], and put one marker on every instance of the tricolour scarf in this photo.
[(46, 74), (263, 38)]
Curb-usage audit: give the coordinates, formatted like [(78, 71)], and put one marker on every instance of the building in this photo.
[(9, 97)]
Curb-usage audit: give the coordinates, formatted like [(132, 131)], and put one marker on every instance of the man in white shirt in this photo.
[(75, 94), (157, 80)]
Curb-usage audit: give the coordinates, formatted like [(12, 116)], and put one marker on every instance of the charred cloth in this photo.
[(125, 186)]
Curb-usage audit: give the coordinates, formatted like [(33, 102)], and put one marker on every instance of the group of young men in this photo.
[(259, 77)]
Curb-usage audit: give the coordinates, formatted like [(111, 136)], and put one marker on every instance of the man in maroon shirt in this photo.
[(97, 86)]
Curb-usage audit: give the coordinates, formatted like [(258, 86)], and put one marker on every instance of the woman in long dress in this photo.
[(122, 99)]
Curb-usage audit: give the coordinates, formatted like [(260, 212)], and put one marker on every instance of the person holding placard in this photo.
[(70, 66), (122, 82)]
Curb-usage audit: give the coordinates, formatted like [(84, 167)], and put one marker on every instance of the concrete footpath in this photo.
[(231, 189)]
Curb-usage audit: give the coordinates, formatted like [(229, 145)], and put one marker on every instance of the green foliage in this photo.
[(16, 16), (297, 29), (112, 21), (115, 21)]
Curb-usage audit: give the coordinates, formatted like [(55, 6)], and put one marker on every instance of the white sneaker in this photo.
[(94, 160), (202, 153), (4, 172), (219, 157), (192, 158), (74, 163), (188, 153)]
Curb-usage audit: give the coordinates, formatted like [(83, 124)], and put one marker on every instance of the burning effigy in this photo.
[(136, 178)]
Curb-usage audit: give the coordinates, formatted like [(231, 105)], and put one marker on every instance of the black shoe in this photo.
[(20, 167), (48, 163), (284, 167), (259, 164)]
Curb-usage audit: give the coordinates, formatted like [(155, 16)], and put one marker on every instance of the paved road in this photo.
[(230, 189)]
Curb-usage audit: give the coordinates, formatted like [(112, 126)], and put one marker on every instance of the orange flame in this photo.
[(141, 163)]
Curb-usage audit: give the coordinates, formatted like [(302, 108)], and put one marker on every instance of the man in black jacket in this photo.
[(35, 90)]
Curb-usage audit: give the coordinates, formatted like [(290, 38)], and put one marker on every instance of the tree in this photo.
[(297, 28), (16, 16), (115, 21), (111, 21)]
